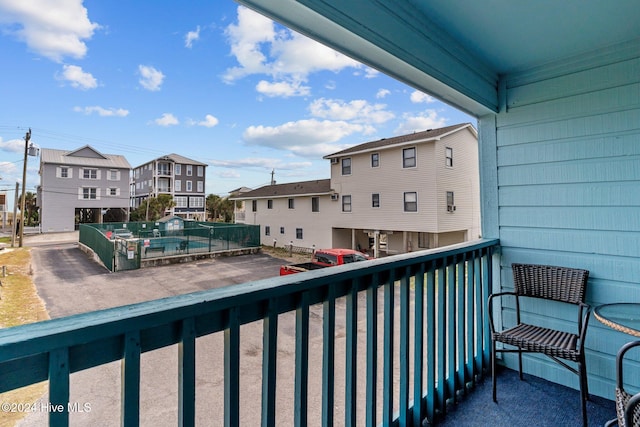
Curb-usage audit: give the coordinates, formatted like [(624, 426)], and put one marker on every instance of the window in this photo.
[(196, 202), (178, 169), (269, 204), (409, 157), (448, 157), (63, 172), (189, 186), (189, 170), (375, 160), (181, 201), (89, 173), (200, 185), (281, 230), (200, 170), (346, 166), (423, 240), (254, 206), (291, 203), (178, 185), (164, 169), (346, 203), (411, 201), (267, 230), (113, 175), (450, 205), (113, 191), (90, 193), (375, 200), (298, 233), (315, 204)]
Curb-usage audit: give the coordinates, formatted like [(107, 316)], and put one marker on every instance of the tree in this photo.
[(157, 207), (219, 208), (30, 209)]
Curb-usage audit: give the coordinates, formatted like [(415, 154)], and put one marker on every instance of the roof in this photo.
[(177, 158), (83, 156), (304, 188), (416, 137)]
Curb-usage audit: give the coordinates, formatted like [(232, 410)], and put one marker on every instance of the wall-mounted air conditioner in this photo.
[(334, 161), (451, 208), (335, 197)]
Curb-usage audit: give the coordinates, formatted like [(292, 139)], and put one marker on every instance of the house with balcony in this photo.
[(81, 186), (556, 91), (178, 176), (363, 206)]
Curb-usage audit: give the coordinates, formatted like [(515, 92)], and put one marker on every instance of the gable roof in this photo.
[(303, 188), (412, 138), (76, 157), (177, 158)]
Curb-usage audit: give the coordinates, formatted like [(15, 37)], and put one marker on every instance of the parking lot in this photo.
[(70, 282)]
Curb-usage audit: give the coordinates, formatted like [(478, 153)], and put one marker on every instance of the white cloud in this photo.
[(226, 174), (77, 77), (383, 93), (12, 146), (306, 138), (209, 121), (427, 120), (8, 168), (282, 89), (150, 78), (260, 162), (283, 55), (52, 28), (420, 97), (167, 119), (358, 111), (191, 37), (104, 112)]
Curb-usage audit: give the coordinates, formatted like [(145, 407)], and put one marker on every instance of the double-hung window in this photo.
[(346, 166), (411, 201), (409, 157), (346, 203)]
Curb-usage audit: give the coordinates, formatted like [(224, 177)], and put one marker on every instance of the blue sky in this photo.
[(209, 80)]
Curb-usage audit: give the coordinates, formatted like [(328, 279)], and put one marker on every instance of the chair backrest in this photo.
[(550, 282)]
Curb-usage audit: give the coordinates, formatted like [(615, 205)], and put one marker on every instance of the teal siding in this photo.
[(568, 177)]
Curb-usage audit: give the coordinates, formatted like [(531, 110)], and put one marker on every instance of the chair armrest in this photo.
[(584, 315), (630, 408), (490, 306), (619, 359)]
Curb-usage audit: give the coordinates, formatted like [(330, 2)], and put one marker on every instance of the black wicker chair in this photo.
[(627, 405), (567, 285)]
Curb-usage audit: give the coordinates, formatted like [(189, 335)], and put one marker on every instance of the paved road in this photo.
[(70, 282)]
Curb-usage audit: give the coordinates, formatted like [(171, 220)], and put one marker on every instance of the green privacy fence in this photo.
[(122, 246)]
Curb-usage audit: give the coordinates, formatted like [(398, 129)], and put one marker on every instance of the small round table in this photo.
[(623, 317)]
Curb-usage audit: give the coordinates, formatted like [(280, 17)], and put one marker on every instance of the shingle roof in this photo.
[(178, 159), (321, 186), (67, 157), (427, 135)]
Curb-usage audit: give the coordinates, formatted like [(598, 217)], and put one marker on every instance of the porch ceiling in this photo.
[(457, 49)]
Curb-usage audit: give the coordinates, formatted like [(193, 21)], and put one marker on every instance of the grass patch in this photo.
[(19, 304)]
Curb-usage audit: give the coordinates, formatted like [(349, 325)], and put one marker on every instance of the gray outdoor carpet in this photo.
[(532, 402)]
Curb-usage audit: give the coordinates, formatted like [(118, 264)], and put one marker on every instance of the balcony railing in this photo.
[(425, 341)]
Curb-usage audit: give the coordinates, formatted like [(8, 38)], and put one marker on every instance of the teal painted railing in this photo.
[(427, 339)]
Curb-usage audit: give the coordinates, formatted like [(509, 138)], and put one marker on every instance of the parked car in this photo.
[(325, 258)]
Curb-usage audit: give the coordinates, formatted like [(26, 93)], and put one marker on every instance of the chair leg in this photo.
[(520, 365), (584, 391), (493, 370)]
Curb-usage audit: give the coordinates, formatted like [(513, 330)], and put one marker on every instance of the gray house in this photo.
[(81, 186), (182, 178)]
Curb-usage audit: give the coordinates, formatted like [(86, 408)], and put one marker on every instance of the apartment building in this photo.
[(393, 195), (81, 186), (182, 178)]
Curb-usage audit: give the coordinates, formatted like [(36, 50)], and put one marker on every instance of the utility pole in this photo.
[(15, 216), (27, 138)]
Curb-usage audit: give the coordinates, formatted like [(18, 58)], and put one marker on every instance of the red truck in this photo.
[(325, 258)]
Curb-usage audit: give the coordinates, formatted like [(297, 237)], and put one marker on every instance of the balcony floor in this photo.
[(532, 402)]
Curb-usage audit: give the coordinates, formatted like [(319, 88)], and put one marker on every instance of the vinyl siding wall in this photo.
[(567, 189)]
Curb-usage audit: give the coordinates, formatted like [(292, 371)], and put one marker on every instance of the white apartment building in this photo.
[(393, 195)]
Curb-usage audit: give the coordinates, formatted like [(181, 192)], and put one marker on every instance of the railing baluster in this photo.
[(389, 312), (432, 352), (187, 374), (302, 361), (472, 312), (487, 280), (351, 354), (269, 355), (372, 351), (59, 387), (450, 360), (480, 315), (418, 347), (460, 324), (130, 382), (441, 326), (232, 370), (404, 347), (328, 354)]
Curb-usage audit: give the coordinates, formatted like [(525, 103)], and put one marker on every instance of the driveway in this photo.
[(70, 282)]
